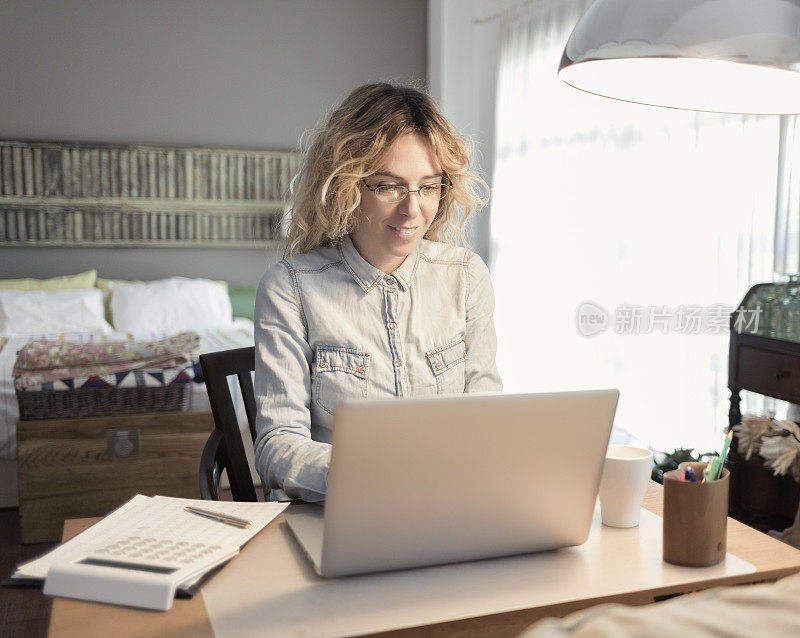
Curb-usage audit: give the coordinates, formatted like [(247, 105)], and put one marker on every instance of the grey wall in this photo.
[(249, 73)]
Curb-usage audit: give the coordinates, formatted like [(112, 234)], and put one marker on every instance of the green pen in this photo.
[(716, 465), (709, 469)]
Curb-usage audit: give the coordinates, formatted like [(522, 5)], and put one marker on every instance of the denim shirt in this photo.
[(330, 327)]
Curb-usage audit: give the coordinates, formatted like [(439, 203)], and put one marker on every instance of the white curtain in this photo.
[(627, 207)]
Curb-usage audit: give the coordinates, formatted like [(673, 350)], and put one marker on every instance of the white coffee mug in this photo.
[(626, 474)]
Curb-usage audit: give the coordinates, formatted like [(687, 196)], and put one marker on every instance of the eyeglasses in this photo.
[(394, 193)]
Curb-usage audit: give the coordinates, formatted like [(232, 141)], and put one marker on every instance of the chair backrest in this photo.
[(224, 448)]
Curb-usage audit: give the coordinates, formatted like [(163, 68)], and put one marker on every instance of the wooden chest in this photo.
[(81, 467)]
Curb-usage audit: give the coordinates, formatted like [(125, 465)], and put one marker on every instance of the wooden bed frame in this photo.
[(92, 195), (98, 195)]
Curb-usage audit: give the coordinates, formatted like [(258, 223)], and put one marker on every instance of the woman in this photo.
[(372, 299)]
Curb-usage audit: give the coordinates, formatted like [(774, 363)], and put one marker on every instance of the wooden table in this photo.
[(771, 558)]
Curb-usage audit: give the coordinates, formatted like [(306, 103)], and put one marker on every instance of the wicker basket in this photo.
[(60, 404)]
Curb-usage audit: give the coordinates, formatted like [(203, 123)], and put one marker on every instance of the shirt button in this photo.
[(389, 281), (361, 370), (322, 364), (392, 326), (438, 366), (398, 363)]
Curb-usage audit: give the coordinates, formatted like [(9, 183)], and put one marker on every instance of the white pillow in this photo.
[(170, 305), (34, 312)]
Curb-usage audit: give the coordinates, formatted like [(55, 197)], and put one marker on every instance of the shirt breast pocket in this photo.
[(448, 364), (339, 373)]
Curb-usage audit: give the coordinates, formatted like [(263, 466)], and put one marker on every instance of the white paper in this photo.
[(159, 517)]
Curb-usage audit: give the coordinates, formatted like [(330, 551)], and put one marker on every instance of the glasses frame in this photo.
[(445, 182)]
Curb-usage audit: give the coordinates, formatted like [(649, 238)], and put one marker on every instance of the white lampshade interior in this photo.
[(688, 83), (729, 56)]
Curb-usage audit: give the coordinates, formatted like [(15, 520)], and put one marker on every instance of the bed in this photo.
[(174, 298)]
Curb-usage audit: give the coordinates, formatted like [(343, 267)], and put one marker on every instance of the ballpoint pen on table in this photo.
[(219, 516)]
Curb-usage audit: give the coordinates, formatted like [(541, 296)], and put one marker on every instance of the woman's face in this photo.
[(387, 233)]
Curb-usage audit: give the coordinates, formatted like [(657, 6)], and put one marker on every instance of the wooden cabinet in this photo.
[(770, 367), (81, 467)]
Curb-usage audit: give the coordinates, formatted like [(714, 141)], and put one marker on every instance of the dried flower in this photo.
[(749, 433), (781, 447)]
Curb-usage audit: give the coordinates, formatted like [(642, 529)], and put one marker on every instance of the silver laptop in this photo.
[(419, 482)]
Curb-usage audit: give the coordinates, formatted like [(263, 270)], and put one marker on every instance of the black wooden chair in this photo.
[(224, 449)]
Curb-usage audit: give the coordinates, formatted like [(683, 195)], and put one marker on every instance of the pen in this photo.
[(691, 475), (223, 518), (711, 473), (716, 467)]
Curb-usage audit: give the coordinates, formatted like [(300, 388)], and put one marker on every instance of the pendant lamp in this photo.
[(725, 56)]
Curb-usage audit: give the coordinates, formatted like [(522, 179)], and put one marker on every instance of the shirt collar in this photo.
[(405, 273), (367, 276)]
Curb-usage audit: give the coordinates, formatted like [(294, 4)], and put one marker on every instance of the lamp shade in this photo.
[(727, 56)]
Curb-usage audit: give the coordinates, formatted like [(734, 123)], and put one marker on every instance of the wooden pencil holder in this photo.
[(695, 521)]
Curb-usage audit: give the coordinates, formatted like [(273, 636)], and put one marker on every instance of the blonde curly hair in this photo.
[(352, 145)]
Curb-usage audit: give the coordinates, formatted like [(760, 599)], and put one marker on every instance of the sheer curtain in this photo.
[(639, 211)]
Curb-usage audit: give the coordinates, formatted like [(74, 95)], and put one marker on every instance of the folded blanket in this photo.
[(43, 361), (139, 378)]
